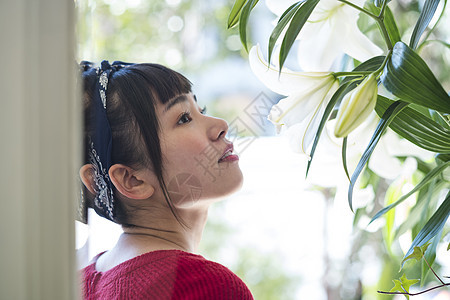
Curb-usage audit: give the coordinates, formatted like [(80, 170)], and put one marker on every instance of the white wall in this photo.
[(39, 134)]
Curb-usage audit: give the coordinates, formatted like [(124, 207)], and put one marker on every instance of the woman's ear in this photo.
[(131, 183), (87, 177)]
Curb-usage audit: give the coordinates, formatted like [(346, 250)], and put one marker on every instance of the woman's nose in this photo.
[(218, 129)]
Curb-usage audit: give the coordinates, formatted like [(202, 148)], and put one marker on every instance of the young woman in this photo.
[(154, 163)]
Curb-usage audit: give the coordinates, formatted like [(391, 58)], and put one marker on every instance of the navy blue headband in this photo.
[(100, 143)]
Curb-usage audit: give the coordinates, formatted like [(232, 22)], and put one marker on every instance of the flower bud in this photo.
[(356, 106)]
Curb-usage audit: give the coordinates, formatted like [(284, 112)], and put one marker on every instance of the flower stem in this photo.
[(386, 59), (414, 294), (432, 270), (383, 8), (365, 73), (360, 9), (357, 73), (384, 32), (379, 19)]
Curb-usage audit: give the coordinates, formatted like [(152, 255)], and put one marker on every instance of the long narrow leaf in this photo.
[(389, 21), (447, 45), (391, 26), (299, 19), (432, 227), (348, 84), (344, 157), (434, 26), (386, 119), (426, 180), (235, 12), (338, 95), (284, 20), (392, 193), (243, 20), (369, 65), (417, 128), (408, 77), (425, 17)]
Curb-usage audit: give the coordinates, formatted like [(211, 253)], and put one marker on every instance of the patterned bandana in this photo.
[(100, 143)]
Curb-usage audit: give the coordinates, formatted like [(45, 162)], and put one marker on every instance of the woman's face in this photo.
[(196, 156)]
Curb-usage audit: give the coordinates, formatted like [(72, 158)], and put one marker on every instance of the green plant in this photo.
[(413, 102)]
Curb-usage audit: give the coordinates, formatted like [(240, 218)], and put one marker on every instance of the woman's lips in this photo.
[(228, 155), (229, 158)]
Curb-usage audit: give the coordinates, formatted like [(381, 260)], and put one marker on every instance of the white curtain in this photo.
[(39, 150)]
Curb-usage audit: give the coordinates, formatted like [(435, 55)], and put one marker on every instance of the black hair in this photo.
[(132, 94)]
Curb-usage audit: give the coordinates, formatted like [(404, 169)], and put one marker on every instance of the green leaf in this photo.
[(391, 26), (417, 128), (338, 95), (282, 22), (403, 285), (235, 13), (389, 22), (371, 64), (425, 17), (299, 19), (448, 247), (348, 84), (397, 286), (427, 179), (344, 157), (434, 26), (447, 45), (243, 20), (407, 283), (408, 77), (393, 192), (418, 253), (433, 226), (386, 119)]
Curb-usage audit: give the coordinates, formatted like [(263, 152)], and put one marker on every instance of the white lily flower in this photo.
[(330, 31), (356, 106), (308, 94)]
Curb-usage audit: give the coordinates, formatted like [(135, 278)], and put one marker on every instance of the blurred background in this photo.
[(286, 237)]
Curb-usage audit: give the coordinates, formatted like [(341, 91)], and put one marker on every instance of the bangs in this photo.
[(163, 82)]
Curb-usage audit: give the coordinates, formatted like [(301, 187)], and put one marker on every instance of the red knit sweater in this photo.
[(164, 274)]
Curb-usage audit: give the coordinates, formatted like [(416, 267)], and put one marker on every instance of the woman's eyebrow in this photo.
[(174, 101)]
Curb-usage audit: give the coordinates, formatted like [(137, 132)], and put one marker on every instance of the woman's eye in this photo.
[(184, 118), (203, 110)]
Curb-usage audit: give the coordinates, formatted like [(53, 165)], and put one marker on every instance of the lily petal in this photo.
[(331, 31), (314, 121), (287, 82), (319, 45), (359, 46)]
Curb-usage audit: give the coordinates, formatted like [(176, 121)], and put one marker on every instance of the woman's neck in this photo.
[(166, 232), (156, 228)]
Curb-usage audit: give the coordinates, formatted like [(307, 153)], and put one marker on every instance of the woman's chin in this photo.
[(227, 186)]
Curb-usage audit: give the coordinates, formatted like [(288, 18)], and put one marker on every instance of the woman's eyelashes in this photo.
[(186, 117)]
